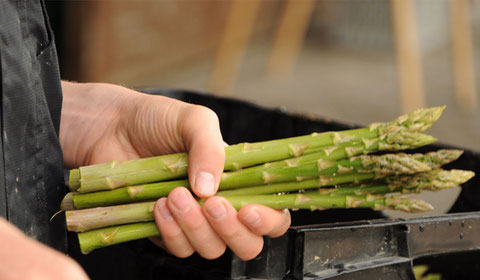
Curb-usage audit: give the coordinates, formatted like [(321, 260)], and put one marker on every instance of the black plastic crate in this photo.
[(332, 244)]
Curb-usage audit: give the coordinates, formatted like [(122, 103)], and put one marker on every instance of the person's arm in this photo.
[(25, 258), (102, 122)]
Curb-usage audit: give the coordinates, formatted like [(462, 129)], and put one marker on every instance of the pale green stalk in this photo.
[(122, 173), (328, 173), (99, 238), (88, 219), (296, 170)]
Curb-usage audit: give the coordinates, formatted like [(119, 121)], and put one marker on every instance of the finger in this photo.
[(188, 214), (264, 220), (172, 235), (206, 152), (223, 218)]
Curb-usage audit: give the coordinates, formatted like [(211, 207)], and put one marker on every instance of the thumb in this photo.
[(206, 152)]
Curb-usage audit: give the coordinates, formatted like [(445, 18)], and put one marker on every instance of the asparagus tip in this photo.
[(440, 157), (433, 180), (404, 140), (417, 121), (398, 163), (409, 205)]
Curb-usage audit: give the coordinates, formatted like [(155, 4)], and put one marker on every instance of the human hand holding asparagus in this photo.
[(303, 162), (124, 125)]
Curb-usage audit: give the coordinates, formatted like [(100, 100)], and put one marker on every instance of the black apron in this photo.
[(31, 173)]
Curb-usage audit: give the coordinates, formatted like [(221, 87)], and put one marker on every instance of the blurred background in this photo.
[(356, 61)]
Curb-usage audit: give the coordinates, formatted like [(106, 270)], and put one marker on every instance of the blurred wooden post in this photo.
[(289, 36), (463, 58), (409, 64), (233, 45)]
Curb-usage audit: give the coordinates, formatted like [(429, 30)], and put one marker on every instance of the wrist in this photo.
[(89, 110)]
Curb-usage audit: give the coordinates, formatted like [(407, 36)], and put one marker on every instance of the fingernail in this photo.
[(182, 201), (252, 218), (205, 183), (163, 209), (217, 210)]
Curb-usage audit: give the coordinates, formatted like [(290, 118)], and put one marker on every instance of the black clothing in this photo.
[(31, 173)]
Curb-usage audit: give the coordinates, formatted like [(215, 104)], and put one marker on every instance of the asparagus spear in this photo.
[(295, 170), (341, 197), (88, 219), (152, 191), (92, 218), (94, 239), (330, 153), (283, 187), (116, 174), (434, 180), (330, 175), (121, 195), (243, 155)]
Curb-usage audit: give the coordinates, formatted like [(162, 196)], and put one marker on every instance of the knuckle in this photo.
[(230, 233), (195, 225), (199, 111), (172, 235)]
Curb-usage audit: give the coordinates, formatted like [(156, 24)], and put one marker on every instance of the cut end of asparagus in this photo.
[(67, 202), (74, 180), (409, 205)]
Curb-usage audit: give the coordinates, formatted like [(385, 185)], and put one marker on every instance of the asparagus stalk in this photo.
[(244, 155), (153, 191), (92, 218), (116, 174), (284, 187), (165, 171), (434, 180), (295, 170), (99, 238), (88, 219), (314, 201), (95, 239), (121, 195), (332, 175), (341, 197)]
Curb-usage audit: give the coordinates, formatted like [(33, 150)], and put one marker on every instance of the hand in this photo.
[(24, 258), (102, 122)]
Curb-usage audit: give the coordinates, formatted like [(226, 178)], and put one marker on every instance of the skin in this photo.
[(102, 122), (131, 125)]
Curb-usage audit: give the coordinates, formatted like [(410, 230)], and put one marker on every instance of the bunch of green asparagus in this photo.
[(113, 202)]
